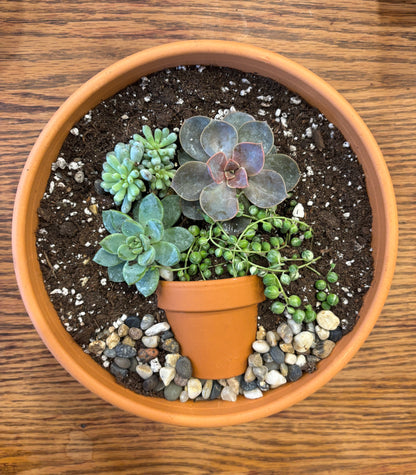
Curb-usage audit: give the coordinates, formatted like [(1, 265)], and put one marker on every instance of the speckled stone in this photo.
[(135, 333), (171, 346), (112, 341), (285, 332), (255, 360), (248, 385), (184, 367), (132, 321), (172, 392), (180, 381), (125, 351), (128, 341), (147, 354), (171, 359), (122, 330), (96, 347), (249, 375)]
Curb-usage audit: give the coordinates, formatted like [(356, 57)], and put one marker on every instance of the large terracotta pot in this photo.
[(114, 78), (215, 322)]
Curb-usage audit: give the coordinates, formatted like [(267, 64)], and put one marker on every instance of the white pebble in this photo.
[(167, 374), (155, 365), (227, 394), (303, 341), (253, 394), (275, 379), (290, 358), (322, 333), (144, 371), (295, 327), (327, 320), (298, 211), (194, 388), (157, 329), (260, 346), (150, 341), (301, 360)]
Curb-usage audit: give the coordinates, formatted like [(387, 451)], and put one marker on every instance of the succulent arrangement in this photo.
[(231, 177)]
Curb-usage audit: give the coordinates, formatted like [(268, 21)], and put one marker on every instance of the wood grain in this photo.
[(364, 420)]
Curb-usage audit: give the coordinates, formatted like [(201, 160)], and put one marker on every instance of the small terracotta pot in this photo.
[(215, 322), (102, 86)]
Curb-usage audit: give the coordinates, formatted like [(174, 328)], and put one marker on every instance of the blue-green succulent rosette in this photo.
[(139, 248)]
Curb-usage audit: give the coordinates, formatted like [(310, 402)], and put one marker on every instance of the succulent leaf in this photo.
[(219, 202), (167, 254), (148, 283), (237, 119), (216, 166), (132, 273), (190, 179), (239, 179), (106, 259), (285, 166), (250, 156), (154, 230), (150, 208), (180, 237), (266, 189), (183, 157), (192, 210), (219, 136), (189, 137), (171, 210), (115, 273), (112, 242), (236, 225), (113, 220), (257, 132), (131, 228), (146, 258), (125, 253)]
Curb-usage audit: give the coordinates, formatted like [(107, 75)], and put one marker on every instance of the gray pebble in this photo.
[(122, 362), (277, 354), (285, 332), (263, 386), (248, 386), (272, 365), (151, 383), (216, 390), (132, 321), (180, 381), (294, 373), (110, 353), (184, 367), (147, 321), (98, 188), (267, 358), (334, 335), (125, 351), (260, 372), (172, 392), (165, 335), (117, 371)]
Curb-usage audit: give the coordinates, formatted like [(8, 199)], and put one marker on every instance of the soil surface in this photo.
[(332, 191)]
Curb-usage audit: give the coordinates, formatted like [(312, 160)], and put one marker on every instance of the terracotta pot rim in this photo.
[(246, 58)]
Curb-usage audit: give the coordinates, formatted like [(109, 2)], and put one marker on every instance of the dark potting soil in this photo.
[(332, 191)]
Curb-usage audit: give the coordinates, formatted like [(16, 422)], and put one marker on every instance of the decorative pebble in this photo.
[(144, 371), (253, 394), (285, 332), (132, 321), (227, 394), (147, 321), (271, 338), (96, 347), (322, 333), (261, 333), (294, 373), (167, 374), (323, 349), (147, 354), (150, 384), (112, 341), (335, 335), (157, 329), (118, 372), (135, 333), (171, 346), (248, 386), (271, 366), (263, 386), (166, 335), (110, 353), (150, 341), (275, 379), (260, 372), (327, 320), (301, 361), (122, 362), (255, 360), (122, 330), (290, 358), (287, 347), (128, 341), (216, 390), (180, 381), (295, 327), (249, 375), (260, 346), (284, 369), (125, 351), (194, 388), (184, 367), (277, 354), (234, 384), (171, 359), (303, 341), (183, 396), (155, 365), (172, 392)]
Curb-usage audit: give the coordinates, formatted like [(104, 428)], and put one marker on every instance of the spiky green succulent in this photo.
[(223, 159), (121, 176), (136, 250)]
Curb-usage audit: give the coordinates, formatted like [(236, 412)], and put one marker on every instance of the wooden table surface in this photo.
[(364, 420)]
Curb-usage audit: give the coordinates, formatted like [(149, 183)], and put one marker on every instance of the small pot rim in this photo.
[(32, 184)]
